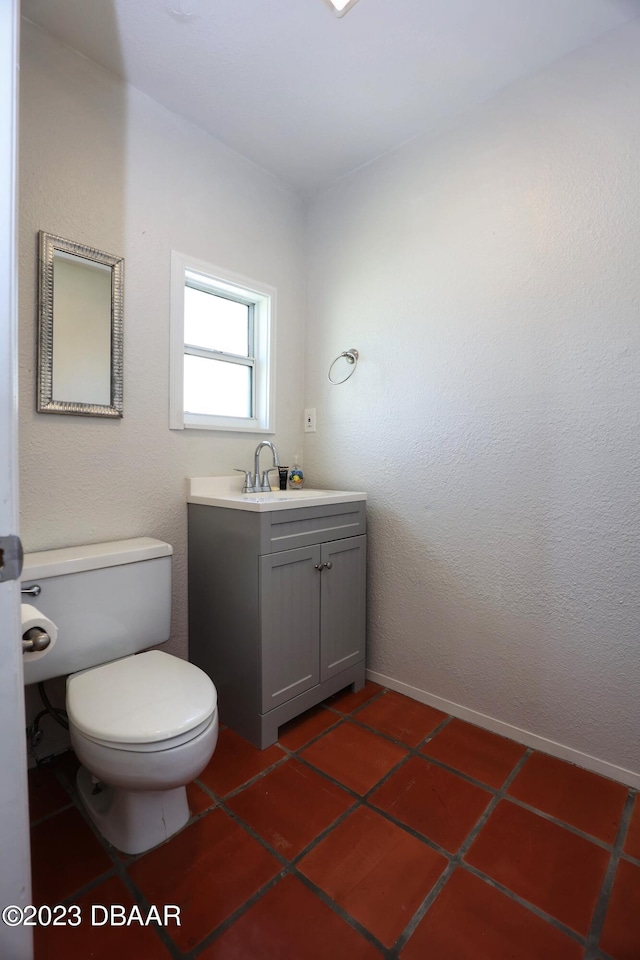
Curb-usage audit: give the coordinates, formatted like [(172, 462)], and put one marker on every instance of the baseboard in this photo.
[(628, 777)]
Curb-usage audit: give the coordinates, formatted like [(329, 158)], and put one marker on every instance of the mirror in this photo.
[(79, 329)]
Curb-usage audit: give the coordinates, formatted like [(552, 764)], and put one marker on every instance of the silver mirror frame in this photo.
[(48, 245)]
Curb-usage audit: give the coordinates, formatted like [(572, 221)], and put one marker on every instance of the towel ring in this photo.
[(351, 356)]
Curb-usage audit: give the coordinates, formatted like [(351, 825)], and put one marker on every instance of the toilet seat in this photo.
[(154, 746), (148, 702)]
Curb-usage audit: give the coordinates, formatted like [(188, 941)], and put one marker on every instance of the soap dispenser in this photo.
[(296, 476)]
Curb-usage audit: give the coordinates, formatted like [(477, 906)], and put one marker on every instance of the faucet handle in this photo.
[(248, 482), (265, 486)]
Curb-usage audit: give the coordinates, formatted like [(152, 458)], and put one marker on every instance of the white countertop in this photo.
[(227, 492)]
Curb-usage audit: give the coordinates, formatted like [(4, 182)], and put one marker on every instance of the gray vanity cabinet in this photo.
[(289, 624), (342, 610), (277, 609), (311, 619)]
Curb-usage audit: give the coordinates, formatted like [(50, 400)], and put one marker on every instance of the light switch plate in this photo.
[(310, 420)]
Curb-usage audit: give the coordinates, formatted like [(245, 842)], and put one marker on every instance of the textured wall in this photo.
[(104, 165), (490, 280)]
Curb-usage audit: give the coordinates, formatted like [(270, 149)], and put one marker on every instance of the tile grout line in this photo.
[(464, 849), (531, 907), (141, 900), (251, 780), (228, 922), (344, 915), (439, 727), (424, 907), (409, 751), (290, 868), (372, 699), (339, 719), (50, 816), (457, 859), (599, 914), (569, 827), (499, 795), (417, 751), (633, 860)]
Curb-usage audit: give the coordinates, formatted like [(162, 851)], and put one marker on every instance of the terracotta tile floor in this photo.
[(376, 827)]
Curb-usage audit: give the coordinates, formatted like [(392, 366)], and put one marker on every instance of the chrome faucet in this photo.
[(263, 486), (253, 484)]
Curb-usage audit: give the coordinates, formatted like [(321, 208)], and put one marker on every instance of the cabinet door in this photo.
[(290, 624), (343, 605)]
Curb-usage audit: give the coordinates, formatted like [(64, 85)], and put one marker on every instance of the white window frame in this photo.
[(262, 299)]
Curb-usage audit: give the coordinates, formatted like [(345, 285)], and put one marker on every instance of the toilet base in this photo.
[(133, 820)]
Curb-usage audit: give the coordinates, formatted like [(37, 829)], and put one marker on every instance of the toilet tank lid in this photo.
[(92, 556)]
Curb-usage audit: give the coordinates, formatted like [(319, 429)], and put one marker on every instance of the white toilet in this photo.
[(143, 725)]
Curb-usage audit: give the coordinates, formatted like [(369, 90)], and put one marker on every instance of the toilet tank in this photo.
[(108, 600)]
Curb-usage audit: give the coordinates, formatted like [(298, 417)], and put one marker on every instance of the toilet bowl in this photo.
[(143, 723), (142, 727)]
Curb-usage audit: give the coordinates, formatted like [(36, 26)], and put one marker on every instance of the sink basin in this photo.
[(227, 492)]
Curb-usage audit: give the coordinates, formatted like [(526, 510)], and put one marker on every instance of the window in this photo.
[(221, 349)]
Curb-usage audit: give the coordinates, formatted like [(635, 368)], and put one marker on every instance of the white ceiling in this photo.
[(309, 96)]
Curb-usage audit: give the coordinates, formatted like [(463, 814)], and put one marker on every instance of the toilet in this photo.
[(142, 722)]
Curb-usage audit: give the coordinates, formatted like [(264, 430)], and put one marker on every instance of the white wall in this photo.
[(490, 279), (103, 165)]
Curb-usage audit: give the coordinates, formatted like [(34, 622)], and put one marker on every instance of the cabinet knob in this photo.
[(318, 567), (328, 564)]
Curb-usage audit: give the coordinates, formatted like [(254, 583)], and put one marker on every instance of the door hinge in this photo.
[(11, 556)]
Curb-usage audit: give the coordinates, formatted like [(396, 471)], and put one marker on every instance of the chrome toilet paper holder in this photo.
[(35, 640)]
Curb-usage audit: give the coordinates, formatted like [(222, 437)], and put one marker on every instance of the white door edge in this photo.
[(15, 873)]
